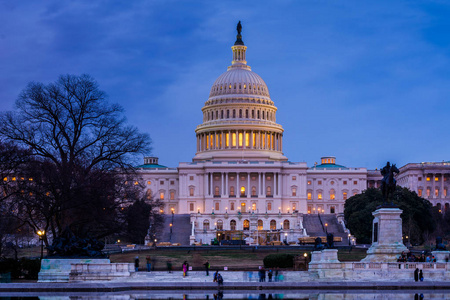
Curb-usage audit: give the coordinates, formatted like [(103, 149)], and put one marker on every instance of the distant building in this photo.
[(240, 185)]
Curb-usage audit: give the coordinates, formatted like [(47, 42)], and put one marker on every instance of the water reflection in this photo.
[(220, 294)]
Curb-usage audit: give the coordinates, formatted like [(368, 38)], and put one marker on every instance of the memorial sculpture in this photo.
[(388, 183), (69, 245), (439, 244), (330, 241), (318, 246)]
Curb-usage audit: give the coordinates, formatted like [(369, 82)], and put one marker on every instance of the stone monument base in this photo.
[(58, 269), (441, 255)]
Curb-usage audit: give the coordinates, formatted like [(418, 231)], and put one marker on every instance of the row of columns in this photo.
[(433, 179), (225, 183), (240, 139)]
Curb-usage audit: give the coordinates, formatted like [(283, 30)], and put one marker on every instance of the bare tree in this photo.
[(80, 147)]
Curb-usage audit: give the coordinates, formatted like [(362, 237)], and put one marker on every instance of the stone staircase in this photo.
[(181, 229), (316, 228)]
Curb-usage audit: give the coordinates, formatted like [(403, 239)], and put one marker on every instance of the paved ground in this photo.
[(233, 281)]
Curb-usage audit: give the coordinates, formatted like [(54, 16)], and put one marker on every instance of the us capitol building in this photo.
[(240, 185)]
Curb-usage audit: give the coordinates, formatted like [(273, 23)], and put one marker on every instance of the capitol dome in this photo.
[(239, 118)]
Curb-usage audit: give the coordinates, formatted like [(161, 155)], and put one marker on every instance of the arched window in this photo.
[(242, 191), (228, 113), (216, 191), (286, 225), (232, 225), (273, 225), (219, 225), (234, 113), (253, 113), (253, 190), (240, 113), (149, 194), (246, 225), (206, 225), (332, 194), (246, 113), (221, 114), (260, 224), (263, 115), (269, 191), (258, 114), (217, 114), (231, 190)]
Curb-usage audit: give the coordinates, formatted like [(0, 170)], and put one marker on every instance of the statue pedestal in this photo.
[(387, 242), (58, 269), (441, 255)]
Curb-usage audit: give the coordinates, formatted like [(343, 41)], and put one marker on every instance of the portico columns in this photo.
[(248, 185)]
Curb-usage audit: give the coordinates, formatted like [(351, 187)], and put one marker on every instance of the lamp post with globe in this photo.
[(41, 234)]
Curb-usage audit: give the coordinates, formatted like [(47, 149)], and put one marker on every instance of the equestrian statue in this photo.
[(388, 183)]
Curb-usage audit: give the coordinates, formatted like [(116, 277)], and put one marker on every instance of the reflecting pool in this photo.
[(218, 295)]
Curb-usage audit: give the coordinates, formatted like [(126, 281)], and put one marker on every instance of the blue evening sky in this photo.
[(365, 81)]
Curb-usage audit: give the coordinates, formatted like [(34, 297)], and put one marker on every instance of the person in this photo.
[(149, 263), (169, 266), (269, 274), (250, 275), (416, 274), (136, 263), (421, 275), (184, 269), (215, 276), (276, 275), (207, 266), (219, 279)]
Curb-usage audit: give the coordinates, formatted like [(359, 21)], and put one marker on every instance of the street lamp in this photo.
[(326, 228), (41, 234), (349, 239), (170, 236)]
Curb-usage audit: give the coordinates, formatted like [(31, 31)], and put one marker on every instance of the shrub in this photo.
[(23, 268), (279, 260)]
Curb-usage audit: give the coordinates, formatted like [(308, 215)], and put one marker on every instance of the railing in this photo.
[(400, 266)]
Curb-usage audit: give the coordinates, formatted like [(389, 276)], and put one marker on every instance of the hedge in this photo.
[(279, 260)]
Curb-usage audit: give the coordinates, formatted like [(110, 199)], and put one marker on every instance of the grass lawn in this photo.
[(234, 259)]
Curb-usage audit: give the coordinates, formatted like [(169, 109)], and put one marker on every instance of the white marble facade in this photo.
[(239, 172)]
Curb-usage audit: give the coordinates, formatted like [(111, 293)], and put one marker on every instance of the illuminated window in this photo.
[(428, 179), (240, 139), (233, 139), (294, 192), (309, 182), (246, 225), (269, 206), (231, 190), (172, 195), (243, 206), (149, 182), (14, 179), (5, 178), (345, 182), (216, 191), (227, 140), (436, 178), (273, 225), (294, 177), (260, 225), (217, 140), (242, 191), (220, 140), (211, 141), (269, 191), (161, 195), (436, 192), (219, 225), (263, 141), (254, 140), (191, 191), (232, 206), (319, 196), (294, 206), (286, 225), (191, 177), (232, 225), (428, 192), (344, 195), (332, 195), (309, 209), (253, 206), (217, 206), (355, 182), (207, 141), (445, 192), (419, 192), (247, 139), (191, 206), (309, 196), (319, 182)]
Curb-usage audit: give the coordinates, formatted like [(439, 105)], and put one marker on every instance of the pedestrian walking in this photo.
[(416, 274), (184, 269), (149, 263), (136, 263), (207, 266), (421, 275), (270, 274), (215, 276), (263, 272), (219, 279)]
